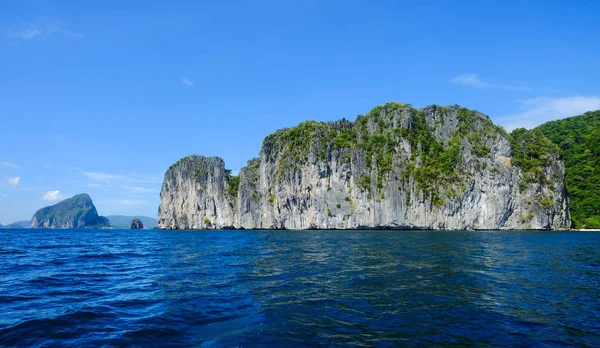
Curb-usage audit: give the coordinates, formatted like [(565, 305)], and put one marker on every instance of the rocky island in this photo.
[(396, 167), (123, 221), (75, 212), (136, 224)]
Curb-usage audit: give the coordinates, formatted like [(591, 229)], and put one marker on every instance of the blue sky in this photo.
[(101, 97)]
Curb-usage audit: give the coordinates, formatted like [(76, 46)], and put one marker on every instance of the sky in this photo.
[(102, 96)]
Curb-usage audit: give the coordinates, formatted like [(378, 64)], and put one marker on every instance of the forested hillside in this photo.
[(579, 139)]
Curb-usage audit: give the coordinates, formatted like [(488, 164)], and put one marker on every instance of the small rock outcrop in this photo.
[(441, 168), (124, 221), (136, 224), (75, 212)]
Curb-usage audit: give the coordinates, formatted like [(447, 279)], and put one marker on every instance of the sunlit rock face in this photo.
[(396, 167)]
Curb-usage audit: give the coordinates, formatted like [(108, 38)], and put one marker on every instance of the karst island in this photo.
[(397, 167)]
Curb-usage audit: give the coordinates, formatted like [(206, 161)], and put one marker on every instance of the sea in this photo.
[(89, 288)]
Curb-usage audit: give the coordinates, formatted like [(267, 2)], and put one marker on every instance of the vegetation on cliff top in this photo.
[(435, 161), (233, 183), (532, 151), (432, 163), (579, 139)]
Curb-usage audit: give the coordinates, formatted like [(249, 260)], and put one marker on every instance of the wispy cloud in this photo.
[(29, 31), (10, 164), (116, 178), (138, 189), (52, 196), (60, 137), (134, 183), (102, 177), (3, 195), (187, 82), (14, 181), (543, 109), (472, 80)]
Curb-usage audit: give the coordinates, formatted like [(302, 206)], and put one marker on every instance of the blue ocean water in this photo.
[(298, 288)]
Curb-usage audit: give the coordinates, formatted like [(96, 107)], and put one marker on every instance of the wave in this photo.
[(63, 326), (12, 252)]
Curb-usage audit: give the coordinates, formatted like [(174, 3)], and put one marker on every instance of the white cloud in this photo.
[(29, 31), (543, 109), (9, 164), (134, 183), (138, 189), (108, 178), (187, 82), (52, 196), (472, 80), (14, 181), (3, 195)]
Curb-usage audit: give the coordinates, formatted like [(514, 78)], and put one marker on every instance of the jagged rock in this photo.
[(397, 167), (75, 212), (136, 224)]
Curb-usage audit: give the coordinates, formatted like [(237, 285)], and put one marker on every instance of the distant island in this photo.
[(397, 167), (75, 212), (63, 213), (122, 221), (19, 224), (16, 225)]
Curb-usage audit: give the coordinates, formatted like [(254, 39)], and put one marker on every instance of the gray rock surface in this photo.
[(194, 195), (378, 172), (75, 212)]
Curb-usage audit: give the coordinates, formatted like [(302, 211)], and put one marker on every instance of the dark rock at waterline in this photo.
[(136, 224)]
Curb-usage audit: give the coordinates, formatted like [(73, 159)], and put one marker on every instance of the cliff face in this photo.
[(396, 167), (194, 195), (75, 212)]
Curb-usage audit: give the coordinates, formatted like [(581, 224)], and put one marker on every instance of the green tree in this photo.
[(579, 140)]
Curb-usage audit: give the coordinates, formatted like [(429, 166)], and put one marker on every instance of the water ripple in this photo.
[(299, 288)]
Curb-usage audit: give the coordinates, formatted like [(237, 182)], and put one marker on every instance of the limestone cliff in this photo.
[(75, 212), (194, 195), (396, 167)]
